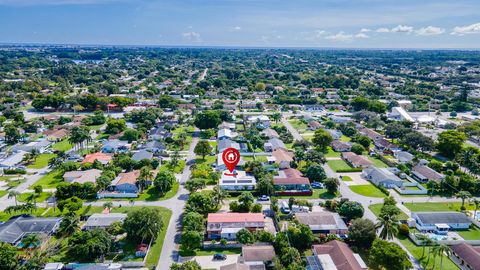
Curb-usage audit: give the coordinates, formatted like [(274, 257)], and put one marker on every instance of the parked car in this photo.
[(264, 198), (284, 208), (219, 257), (317, 185)]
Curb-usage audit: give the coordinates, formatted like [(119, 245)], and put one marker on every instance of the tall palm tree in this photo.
[(463, 195), (219, 195), (477, 203), (432, 250), (108, 205), (69, 225), (424, 240), (13, 194), (146, 174), (441, 251), (389, 225)]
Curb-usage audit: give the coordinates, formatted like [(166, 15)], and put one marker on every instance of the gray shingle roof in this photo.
[(14, 229), (442, 217)]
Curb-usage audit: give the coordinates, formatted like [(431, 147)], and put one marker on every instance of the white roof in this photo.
[(13, 159), (240, 179), (326, 262), (425, 119), (401, 111), (442, 226)]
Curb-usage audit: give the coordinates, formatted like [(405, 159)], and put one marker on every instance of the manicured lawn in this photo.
[(151, 194), (62, 146), (346, 178), (368, 191), (298, 125), (437, 207), (156, 248), (377, 162), (41, 161), (331, 153), (176, 169), (43, 197), (317, 194), (472, 234), (261, 158), (3, 193), (345, 138), (417, 253), (208, 160), (337, 165), (307, 137), (5, 216), (376, 208), (51, 180)]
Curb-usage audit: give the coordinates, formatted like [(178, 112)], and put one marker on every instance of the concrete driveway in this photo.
[(357, 179), (207, 262)]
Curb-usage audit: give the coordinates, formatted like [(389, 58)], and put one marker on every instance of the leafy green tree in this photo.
[(219, 195), (245, 237), (201, 202), (207, 119), (388, 255), (164, 181), (265, 187), (131, 135), (388, 223), (331, 184), (143, 224), (246, 200), (450, 142), (12, 135), (290, 256), (69, 225), (31, 240), (8, 257), (167, 102), (193, 221), (88, 246), (71, 204), (351, 210), (357, 148), (301, 236), (195, 184), (203, 148), (190, 265), (115, 126), (265, 236), (315, 173), (463, 195), (321, 139), (191, 240)]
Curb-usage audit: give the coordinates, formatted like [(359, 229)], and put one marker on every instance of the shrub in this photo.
[(403, 229)]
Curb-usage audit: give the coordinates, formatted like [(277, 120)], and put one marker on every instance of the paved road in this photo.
[(291, 129)]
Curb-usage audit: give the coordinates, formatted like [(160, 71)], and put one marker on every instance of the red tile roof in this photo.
[(342, 256), (90, 158), (292, 177), (235, 217)]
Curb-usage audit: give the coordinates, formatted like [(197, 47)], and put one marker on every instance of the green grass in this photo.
[(177, 169), (368, 191), (345, 138), (472, 234), (156, 248), (437, 207), (261, 158), (317, 194), (337, 165), (43, 196), (377, 162), (63, 145), (210, 252), (346, 178), (417, 251), (298, 125), (376, 208), (208, 160), (151, 194), (3, 193), (5, 216), (51, 180), (41, 161), (331, 153)]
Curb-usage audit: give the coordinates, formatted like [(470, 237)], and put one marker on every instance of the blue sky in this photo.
[(265, 23)]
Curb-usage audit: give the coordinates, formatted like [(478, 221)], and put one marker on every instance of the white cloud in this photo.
[(383, 30), (191, 36), (402, 29), (54, 2), (365, 30), (237, 28), (340, 36), (361, 35), (466, 29), (430, 31)]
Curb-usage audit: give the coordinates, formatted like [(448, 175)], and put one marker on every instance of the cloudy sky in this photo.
[(263, 23)]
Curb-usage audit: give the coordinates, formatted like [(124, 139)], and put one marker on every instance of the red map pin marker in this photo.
[(231, 157)]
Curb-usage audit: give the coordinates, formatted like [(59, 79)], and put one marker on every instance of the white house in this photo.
[(441, 221), (241, 181), (399, 114)]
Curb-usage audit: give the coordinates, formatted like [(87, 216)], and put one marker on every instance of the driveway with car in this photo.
[(207, 262)]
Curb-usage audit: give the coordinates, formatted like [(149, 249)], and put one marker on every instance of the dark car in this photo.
[(219, 257), (316, 185)]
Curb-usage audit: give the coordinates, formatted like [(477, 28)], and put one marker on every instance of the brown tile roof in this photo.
[(340, 253), (235, 217), (468, 253), (57, 133), (355, 159), (428, 172), (292, 176), (128, 177), (258, 253), (316, 218), (282, 155)]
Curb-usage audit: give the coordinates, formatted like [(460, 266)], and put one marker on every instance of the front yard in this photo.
[(338, 165), (368, 191), (376, 208), (51, 180), (41, 161), (437, 206)]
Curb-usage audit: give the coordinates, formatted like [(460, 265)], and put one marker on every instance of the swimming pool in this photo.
[(437, 237)]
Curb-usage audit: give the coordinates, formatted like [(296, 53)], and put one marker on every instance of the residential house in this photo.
[(227, 125), (313, 108), (242, 266), (467, 257), (274, 144), (290, 181), (283, 158), (335, 255), (238, 181), (141, 155), (114, 146), (227, 143), (159, 133), (355, 160), (40, 146), (403, 156), (55, 135), (261, 121), (323, 222), (225, 133), (221, 165), (125, 182), (314, 125), (101, 157), (385, 145), (423, 173), (340, 119), (382, 177), (257, 255), (399, 114), (270, 133), (13, 230), (340, 146), (373, 135), (103, 221), (87, 176), (441, 222), (156, 147), (13, 160), (226, 225), (336, 134)]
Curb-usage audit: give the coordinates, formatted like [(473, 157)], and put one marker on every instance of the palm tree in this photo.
[(219, 194), (424, 240), (108, 205), (432, 249), (463, 195), (276, 117), (69, 225), (34, 154), (441, 251), (146, 174), (30, 240), (389, 225), (14, 194), (477, 203)]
